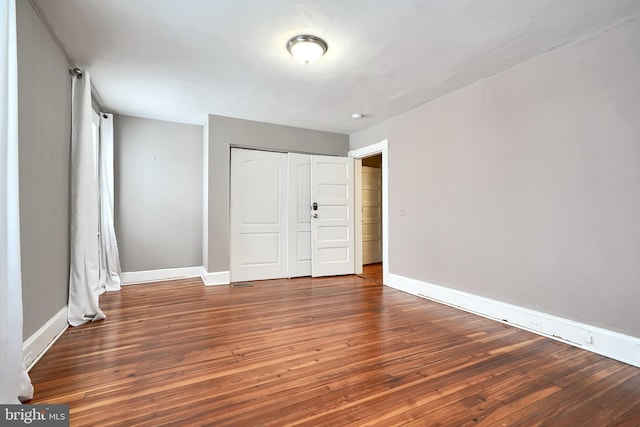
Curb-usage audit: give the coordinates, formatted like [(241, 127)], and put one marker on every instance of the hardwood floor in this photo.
[(372, 272), (320, 352)]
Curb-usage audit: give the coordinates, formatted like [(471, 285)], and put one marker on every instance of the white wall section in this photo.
[(528, 185), (158, 202), (44, 104)]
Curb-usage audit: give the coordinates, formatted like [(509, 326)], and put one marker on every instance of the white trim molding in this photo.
[(134, 277), (37, 344), (381, 147), (216, 278), (368, 150), (624, 348)]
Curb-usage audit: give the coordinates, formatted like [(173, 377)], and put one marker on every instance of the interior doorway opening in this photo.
[(371, 211), (367, 245), (372, 272)]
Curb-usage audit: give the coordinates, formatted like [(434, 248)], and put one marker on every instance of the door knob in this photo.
[(315, 215)]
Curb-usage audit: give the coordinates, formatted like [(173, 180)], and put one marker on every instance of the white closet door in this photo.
[(299, 215), (371, 215), (258, 215), (332, 223)]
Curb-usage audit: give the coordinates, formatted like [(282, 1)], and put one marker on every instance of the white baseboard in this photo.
[(607, 343), (134, 277), (37, 344), (216, 278)]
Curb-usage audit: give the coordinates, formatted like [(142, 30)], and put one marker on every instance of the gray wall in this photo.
[(44, 96), (225, 132), (524, 187), (158, 193)]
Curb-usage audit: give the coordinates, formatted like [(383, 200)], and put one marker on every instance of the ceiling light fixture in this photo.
[(307, 48), (357, 116)]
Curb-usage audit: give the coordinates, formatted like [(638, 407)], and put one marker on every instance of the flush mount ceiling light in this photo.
[(307, 48)]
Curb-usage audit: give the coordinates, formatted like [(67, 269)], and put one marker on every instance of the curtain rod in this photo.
[(76, 72), (95, 95)]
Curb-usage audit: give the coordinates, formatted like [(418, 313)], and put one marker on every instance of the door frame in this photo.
[(381, 147)]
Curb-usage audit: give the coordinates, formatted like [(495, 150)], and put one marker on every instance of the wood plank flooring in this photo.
[(320, 352), (372, 272)]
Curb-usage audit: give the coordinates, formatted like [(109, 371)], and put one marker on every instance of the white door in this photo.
[(332, 222), (371, 215), (299, 215), (258, 215)]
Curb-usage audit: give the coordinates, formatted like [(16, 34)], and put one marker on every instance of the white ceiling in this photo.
[(180, 60)]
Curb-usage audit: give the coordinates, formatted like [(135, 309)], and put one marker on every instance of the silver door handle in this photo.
[(315, 215)]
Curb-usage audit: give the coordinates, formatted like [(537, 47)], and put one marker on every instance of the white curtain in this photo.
[(15, 384), (84, 279), (109, 257)]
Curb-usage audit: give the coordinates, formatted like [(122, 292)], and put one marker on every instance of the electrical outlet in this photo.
[(28, 359), (535, 324)]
